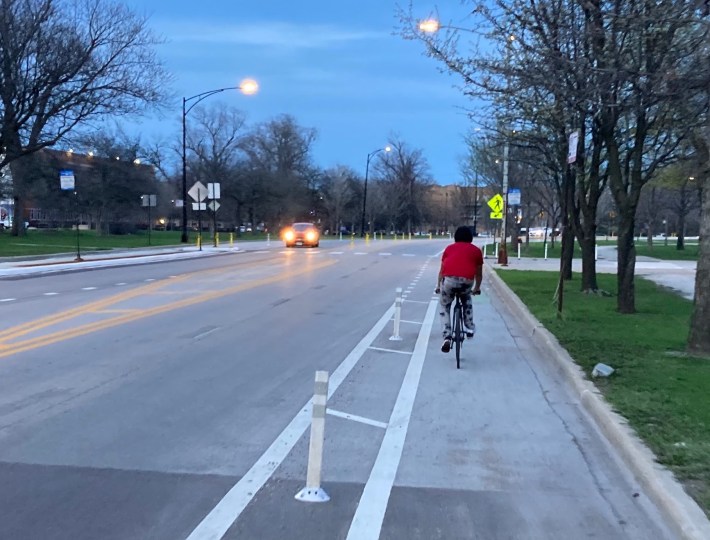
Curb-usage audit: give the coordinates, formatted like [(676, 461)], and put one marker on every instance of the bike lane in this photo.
[(497, 449)]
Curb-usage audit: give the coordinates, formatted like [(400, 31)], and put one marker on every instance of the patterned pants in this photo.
[(449, 288)]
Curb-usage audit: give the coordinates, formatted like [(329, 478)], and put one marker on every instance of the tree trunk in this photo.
[(589, 265), (626, 300), (649, 236), (699, 338), (680, 242), (567, 253), (18, 169)]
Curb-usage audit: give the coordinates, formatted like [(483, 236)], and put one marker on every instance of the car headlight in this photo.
[(311, 236), (288, 236)]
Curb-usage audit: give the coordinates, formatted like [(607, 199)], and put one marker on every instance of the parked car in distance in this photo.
[(301, 234)]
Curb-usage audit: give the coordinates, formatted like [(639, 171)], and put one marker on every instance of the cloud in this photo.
[(265, 34)]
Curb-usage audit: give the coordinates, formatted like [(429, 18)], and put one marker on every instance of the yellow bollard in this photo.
[(410, 236), (199, 241), (367, 238), (429, 236), (231, 240), (216, 239)]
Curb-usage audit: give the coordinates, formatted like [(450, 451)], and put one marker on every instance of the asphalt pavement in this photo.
[(190, 424)]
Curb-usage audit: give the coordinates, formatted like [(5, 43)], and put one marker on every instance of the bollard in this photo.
[(495, 253), (341, 236), (397, 314), (231, 240), (518, 250), (367, 238), (429, 236), (410, 236), (199, 241), (313, 492), (545, 251), (596, 252), (485, 246), (268, 239), (216, 239)]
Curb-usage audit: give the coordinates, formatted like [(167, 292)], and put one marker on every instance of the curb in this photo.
[(683, 513)]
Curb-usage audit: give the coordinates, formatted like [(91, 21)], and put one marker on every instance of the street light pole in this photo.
[(364, 194), (247, 87), (503, 250)]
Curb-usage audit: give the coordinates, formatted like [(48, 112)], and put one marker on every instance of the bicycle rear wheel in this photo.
[(458, 333)]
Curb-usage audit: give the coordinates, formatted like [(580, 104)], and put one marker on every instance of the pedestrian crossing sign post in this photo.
[(496, 204)]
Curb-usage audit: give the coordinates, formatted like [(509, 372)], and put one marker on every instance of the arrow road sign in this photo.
[(198, 192)]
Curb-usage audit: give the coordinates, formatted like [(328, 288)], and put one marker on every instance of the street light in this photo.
[(364, 196), (247, 87)]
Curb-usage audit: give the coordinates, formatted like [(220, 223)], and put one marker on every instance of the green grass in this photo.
[(51, 241), (662, 392), (669, 252), (537, 250)]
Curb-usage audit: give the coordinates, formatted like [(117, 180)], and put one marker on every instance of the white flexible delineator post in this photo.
[(397, 315), (545, 250), (313, 492), (518, 250)]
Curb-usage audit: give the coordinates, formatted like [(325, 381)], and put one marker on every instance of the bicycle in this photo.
[(457, 333)]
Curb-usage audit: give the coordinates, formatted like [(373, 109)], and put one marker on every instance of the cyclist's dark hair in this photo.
[(463, 234)]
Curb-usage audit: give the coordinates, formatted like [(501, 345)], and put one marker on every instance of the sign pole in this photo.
[(199, 218), (78, 247)]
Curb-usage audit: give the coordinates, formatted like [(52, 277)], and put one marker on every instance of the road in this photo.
[(172, 400)]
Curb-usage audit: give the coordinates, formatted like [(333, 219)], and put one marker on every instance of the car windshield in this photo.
[(302, 227)]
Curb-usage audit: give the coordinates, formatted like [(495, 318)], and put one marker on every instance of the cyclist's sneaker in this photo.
[(470, 331), (446, 347)]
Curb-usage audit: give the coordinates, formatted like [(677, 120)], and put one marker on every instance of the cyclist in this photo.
[(461, 273)]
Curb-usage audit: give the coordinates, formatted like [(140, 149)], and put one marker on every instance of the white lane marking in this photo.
[(370, 512), (408, 255), (88, 288), (410, 322), (208, 332), (356, 418), (51, 293), (386, 254), (220, 519), (390, 350), (337, 252), (120, 284), (172, 277), (150, 279), (416, 301), (265, 251), (7, 299), (359, 253)]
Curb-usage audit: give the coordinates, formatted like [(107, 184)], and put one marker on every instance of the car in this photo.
[(301, 234)]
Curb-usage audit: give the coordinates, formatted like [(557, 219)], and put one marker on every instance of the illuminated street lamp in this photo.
[(247, 87), (364, 196)]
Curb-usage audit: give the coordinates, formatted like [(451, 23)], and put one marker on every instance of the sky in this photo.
[(338, 66)]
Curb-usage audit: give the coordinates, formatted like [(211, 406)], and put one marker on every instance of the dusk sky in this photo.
[(336, 66)]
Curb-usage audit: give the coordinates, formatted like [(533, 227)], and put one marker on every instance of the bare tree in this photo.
[(279, 157), (406, 174), (338, 188), (64, 63)]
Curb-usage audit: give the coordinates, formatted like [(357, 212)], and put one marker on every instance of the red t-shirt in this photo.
[(461, 259)]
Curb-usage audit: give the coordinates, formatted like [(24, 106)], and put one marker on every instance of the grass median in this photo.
[(661, 391), (53, 241)]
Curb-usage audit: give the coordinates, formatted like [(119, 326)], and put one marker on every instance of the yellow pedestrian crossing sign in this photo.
[(496, 204)]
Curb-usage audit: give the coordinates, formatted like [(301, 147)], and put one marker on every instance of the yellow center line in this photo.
[(131, 316), (62, 316)]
